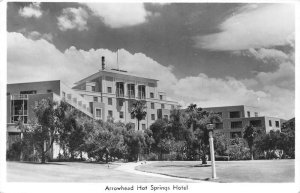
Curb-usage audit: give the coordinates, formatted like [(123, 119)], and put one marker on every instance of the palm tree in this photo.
[(138, 111)]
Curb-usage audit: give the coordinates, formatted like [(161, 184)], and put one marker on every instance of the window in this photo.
[(109, 101), (7, 94), (152, 116), (152, 106), (69, 96), (236, 125), (75, 100), (236, 134), (109, 90), (93, 88), (234, 114), (277, 123), (166, 117), (120, 103), (255, 123), (95, 99), (63, 94), (162, 106), (49, 91), (248, 113), (121, 114), (256, 114), (161, 97), (28, 92), (98, 113), (80, 103), (110, 113), (144, 126), (270, 123), (151, 95)]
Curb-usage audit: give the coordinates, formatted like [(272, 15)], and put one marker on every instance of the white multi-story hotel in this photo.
[(112, 93)]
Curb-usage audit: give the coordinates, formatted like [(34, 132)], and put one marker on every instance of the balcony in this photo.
[(141, 96), (120, 93), (131, 94)]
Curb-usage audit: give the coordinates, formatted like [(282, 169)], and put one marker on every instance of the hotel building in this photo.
[(236, 118), (109, 93)]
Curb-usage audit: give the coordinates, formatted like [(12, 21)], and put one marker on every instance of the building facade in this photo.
[(111, 93), (236, 118)]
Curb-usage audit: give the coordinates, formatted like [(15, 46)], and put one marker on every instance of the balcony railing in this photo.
[(131, 94), (141, 95), (120, 93), (19, 97)]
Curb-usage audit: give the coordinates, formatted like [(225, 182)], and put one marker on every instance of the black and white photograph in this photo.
[(149, 96)]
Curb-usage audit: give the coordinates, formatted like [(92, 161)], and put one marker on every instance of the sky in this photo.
[(211, 54)]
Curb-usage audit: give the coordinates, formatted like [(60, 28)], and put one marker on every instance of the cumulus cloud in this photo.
[(33, 10), (262, 25), (73, 18), (26, 56), (118, 15), (35, 35)]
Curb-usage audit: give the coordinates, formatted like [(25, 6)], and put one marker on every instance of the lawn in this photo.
[(228, 171), (75, 172)]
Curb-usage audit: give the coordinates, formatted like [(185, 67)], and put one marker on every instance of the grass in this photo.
[(75, 172), (232, 171)]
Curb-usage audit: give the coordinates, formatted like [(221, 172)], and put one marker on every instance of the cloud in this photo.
[(37, 60), (117, 15), (33, 10), (35, 35), (262, 25), (283, 78), (73, 18)]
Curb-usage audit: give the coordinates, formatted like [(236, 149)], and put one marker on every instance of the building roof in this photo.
[(112, 72)]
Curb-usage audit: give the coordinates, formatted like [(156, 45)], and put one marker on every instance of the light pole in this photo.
[(210, 128)]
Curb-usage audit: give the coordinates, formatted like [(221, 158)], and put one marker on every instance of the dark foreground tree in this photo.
[(249, 135), (44, 129)]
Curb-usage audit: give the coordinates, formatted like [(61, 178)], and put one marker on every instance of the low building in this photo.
[(236, 118)]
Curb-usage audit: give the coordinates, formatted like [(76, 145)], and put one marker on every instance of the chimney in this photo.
[(103, 62)]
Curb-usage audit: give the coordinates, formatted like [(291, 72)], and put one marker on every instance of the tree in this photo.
[(135, 142), (71, 128), (276, 140), (44, 129), (138, 111), (249, 135), (197, 119)]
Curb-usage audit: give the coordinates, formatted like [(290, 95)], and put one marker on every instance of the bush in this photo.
[(152, 157), (14, 152), (237, 152)]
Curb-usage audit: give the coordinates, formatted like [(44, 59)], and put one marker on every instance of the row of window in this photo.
[(109, 102), (255, 123), (237, 114), (121, 115), (109, 90)]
